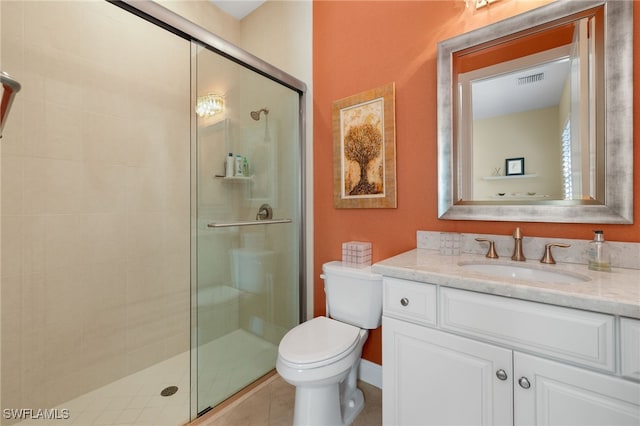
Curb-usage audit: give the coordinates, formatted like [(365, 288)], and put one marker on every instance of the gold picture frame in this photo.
[(364, 149)]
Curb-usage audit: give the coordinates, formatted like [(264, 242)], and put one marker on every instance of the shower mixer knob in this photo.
[(265, 212)]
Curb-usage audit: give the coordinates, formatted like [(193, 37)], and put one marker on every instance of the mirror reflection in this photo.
[(532, 98)]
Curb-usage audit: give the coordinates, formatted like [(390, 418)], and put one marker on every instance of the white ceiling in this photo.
[(238, 8), (503, 95)]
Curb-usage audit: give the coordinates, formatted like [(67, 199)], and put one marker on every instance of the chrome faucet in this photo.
[(518, 255)]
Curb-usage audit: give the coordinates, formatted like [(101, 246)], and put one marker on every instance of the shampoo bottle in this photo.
[(245, 166), (239, 166), (229, 165), (599, 255)]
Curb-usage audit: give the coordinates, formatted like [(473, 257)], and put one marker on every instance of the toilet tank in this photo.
[(354, 295)]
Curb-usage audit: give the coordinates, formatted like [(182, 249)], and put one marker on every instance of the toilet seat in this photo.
[(317, 342)]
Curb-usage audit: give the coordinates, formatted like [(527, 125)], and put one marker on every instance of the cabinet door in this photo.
[(435, 378), (564, 395)]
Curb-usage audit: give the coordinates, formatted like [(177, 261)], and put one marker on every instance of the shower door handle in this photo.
[(248, 223), (9, 89)]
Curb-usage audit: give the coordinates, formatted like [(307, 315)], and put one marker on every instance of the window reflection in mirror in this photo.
[(532, 95)]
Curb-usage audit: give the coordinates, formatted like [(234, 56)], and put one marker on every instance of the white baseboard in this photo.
[(371, 373)]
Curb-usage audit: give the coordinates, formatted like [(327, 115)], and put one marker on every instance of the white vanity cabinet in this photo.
[(555, 394), (430, 377), (492, 360)]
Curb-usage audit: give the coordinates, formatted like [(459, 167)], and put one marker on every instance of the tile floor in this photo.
[(132, 400), (271, 404), (229, 362), (135, 400)]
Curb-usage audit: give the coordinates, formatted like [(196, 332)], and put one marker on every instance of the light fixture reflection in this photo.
[(210, 104)]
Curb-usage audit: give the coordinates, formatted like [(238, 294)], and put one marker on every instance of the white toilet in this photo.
[(320, 357)]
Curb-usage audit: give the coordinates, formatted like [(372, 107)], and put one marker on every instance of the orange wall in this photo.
[(361, 45)]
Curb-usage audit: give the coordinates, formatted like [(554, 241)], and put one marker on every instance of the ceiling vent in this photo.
[(528, 79)]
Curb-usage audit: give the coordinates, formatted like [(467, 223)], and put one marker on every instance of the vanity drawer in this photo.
[(573, 335), (410, 301), (630, 348)]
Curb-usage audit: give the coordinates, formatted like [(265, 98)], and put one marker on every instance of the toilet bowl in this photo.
[(321, 357), (317, 357)]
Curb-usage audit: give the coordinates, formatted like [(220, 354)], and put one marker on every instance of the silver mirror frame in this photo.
[(618, 203)]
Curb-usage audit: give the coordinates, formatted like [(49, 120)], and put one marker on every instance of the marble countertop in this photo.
[(616, 292)]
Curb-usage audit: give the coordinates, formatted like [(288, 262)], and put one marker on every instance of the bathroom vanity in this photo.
[(470, 348)]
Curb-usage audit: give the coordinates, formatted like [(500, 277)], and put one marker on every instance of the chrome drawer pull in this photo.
[(404, 301)]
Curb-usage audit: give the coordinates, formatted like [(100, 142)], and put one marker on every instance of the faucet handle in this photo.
[(491, 254), (548, 257)]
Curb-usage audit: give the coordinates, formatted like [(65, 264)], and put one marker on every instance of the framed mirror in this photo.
[(535, 117)]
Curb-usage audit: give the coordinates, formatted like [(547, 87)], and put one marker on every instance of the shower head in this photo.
[(256, 114)]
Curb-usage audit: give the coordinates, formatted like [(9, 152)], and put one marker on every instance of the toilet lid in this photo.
[(317, 339)]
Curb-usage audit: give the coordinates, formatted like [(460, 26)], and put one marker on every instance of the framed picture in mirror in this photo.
[(514, 166)]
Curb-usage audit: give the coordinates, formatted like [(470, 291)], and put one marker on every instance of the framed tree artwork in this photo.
[(364, 149)]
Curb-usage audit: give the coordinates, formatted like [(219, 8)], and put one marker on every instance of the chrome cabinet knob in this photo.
[(501, 374), (404, 301), (524, 383)]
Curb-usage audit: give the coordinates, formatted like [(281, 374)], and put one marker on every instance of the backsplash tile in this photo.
[(449, 243), (624, 255)]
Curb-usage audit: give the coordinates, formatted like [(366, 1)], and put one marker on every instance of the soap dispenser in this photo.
[(599, 255)]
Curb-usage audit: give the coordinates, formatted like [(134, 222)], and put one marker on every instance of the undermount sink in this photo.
[(524, 272)]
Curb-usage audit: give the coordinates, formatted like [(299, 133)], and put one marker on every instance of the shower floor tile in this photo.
[(231, 362), (132, 400)]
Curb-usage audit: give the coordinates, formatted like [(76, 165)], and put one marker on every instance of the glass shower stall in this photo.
[(145, 275), (247, 204)]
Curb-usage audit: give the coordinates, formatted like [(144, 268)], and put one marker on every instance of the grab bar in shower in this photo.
[(248, 223)]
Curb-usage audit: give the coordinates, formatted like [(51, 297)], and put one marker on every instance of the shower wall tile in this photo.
[(105, 138), (51, 186), (95, 199), (141, 357), (49, 26), (62, 136), (144, 235), (145, 191), (32, 77), (33, 133), (65, 245), (13, 19), (12, 185), (106, 238), (12, 245), (12, 139), (34, 244)]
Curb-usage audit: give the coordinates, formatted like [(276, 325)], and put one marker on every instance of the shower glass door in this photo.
[(247, 223)]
